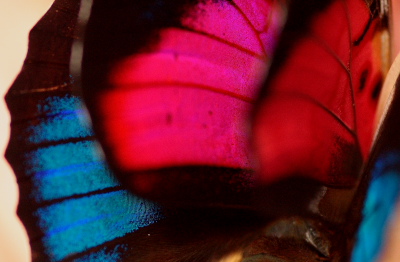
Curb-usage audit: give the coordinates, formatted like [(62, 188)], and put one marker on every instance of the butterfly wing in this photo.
[(68, 195), (170, 85)]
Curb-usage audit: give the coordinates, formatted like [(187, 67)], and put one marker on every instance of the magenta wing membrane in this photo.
[(170, 91)]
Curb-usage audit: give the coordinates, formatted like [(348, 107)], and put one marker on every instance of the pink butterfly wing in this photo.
[(185, 99)]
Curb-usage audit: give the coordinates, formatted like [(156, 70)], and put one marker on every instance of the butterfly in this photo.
[(81, 220)]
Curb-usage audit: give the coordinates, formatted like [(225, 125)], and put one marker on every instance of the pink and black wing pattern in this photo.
[(170, 86)]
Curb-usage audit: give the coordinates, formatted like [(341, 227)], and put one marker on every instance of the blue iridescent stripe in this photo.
[(72, 180), (63, 155), (64, 125)]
